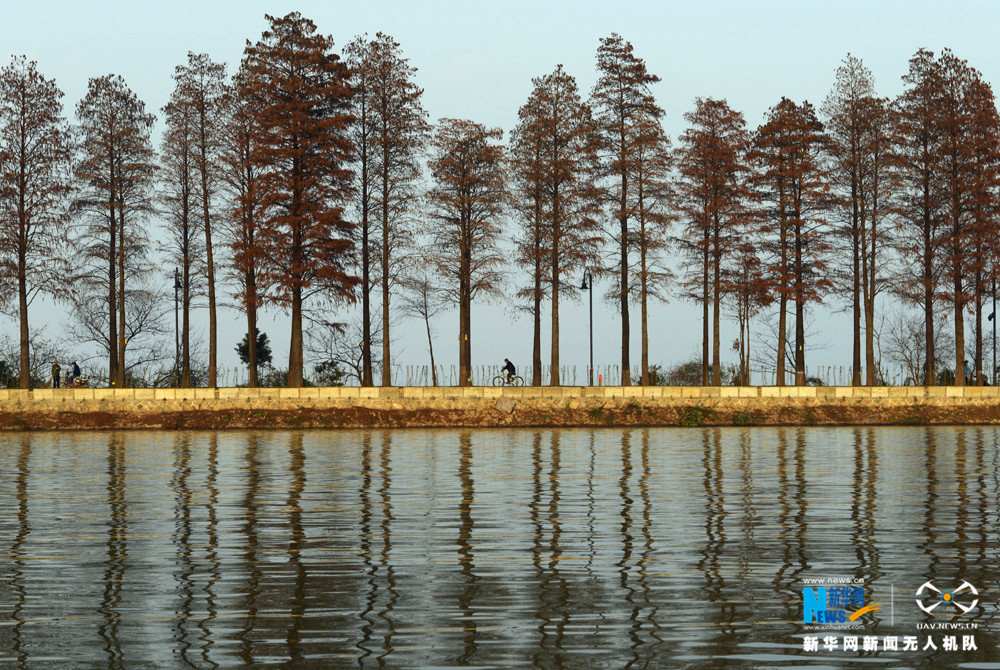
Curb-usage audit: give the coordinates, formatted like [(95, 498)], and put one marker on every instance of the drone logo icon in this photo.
[(964, 598)]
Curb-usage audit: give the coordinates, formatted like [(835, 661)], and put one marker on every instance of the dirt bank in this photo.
[(618, 412)]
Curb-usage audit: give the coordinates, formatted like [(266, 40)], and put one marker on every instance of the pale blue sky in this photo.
[(476, 60)]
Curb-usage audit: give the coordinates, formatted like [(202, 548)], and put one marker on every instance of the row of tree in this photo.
[(301, 179)]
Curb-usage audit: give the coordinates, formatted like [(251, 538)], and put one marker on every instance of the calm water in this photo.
[(518, 548)]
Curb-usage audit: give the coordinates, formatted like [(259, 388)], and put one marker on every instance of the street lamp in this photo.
[(177, 328), (588, 285)]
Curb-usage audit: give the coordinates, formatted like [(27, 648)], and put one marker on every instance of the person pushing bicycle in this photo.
[(508, 369)]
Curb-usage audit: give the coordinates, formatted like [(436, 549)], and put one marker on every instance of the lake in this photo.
[(602, 548)]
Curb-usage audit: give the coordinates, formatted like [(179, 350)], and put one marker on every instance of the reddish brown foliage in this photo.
[(555, 158), (298, 90), (115, 173), (624, 109), (468, 199), (714, 195), (790, 149), (34, 184)]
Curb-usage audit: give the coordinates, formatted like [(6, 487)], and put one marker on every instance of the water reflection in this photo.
[(18, 554), (251, 564), (117, 552), (466, 555), (863, 508), (552, 549)]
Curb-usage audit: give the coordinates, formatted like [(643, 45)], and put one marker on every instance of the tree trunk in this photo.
[(643, 299), (386, 355), (959, 328), (209, 262), (554, 360), (978, 370), (121, 296), (800, 334), (367, 378), (930, 378), (800, 343), (464, 318), (626, 363), (112, 297), (186, 327), (22, 308), (536, 346), (870, 238), (782, 307), (704, 312), (430, 347), (716, 300), (856, 300), (251, 282), (295, 344)]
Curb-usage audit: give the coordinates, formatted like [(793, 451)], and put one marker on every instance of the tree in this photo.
[(555, 157), (652, 179), (298, 91), (714, 191), (362, 133), (467, 201), (746, 281), (968, 123), (178, 194), (921, 205), (905, 345), (531, 243), (860, 128), (984, 229), (262, 352), (390, 133), (241, 177), (790, 147), (35, 181), (201, 90), (115, 173), (954, 118), (144, 328), (622, 102), (340, 345), (423, 299)]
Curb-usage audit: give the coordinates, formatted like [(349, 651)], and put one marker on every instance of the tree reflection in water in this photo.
[(552, 548)]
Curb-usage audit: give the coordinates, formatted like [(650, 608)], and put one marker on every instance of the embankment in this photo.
[(400, 407)]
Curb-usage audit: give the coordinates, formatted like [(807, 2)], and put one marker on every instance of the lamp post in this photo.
[(588, 285), (177, 328)]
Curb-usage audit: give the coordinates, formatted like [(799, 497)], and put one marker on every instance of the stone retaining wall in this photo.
[(352, 393), (489, 406)]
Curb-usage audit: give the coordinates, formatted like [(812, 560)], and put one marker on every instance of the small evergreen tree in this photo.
[(263, 350)]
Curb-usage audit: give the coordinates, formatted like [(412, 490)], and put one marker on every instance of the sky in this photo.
[(476, 60)]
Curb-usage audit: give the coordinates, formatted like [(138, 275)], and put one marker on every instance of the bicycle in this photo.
[(501, 380), (78, 383)]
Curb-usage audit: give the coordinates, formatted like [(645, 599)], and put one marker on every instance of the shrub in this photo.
[(745, 418), (693, 417)]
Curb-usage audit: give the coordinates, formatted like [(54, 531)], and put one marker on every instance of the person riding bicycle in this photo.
[(508, 369)]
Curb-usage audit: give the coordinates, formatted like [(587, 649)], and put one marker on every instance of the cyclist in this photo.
[(508, 369)]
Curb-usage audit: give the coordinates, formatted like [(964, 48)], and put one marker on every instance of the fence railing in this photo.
[(569, 375)]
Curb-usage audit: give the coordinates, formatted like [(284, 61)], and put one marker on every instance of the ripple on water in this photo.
[(445, 548)]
